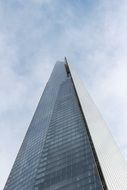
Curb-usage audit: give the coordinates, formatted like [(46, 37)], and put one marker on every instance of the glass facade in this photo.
[(56, 153)]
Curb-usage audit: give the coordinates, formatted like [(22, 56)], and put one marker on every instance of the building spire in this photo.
[(65, 60)]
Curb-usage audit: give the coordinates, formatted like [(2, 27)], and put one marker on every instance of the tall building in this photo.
[(68, 145)]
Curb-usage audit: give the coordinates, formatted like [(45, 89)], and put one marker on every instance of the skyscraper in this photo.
[(68, 145)]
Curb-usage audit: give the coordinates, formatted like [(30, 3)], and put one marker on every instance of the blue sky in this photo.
[(34, 34)]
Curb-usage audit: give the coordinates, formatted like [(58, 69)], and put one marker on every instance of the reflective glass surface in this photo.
[(56, 153), (24, 170), (67, 161)]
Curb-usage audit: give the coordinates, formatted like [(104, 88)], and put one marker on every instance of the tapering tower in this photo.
[(68, 145)]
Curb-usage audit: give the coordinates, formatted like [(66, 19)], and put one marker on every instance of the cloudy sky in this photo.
[(34, 34)]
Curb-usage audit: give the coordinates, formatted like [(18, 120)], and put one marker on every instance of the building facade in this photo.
[(67, 146)]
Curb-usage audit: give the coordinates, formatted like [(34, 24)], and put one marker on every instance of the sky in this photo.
[(34, 34)]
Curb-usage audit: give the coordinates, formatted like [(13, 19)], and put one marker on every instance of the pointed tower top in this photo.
[(65, 59)]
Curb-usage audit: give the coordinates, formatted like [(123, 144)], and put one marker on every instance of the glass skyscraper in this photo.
[(67, 145)]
